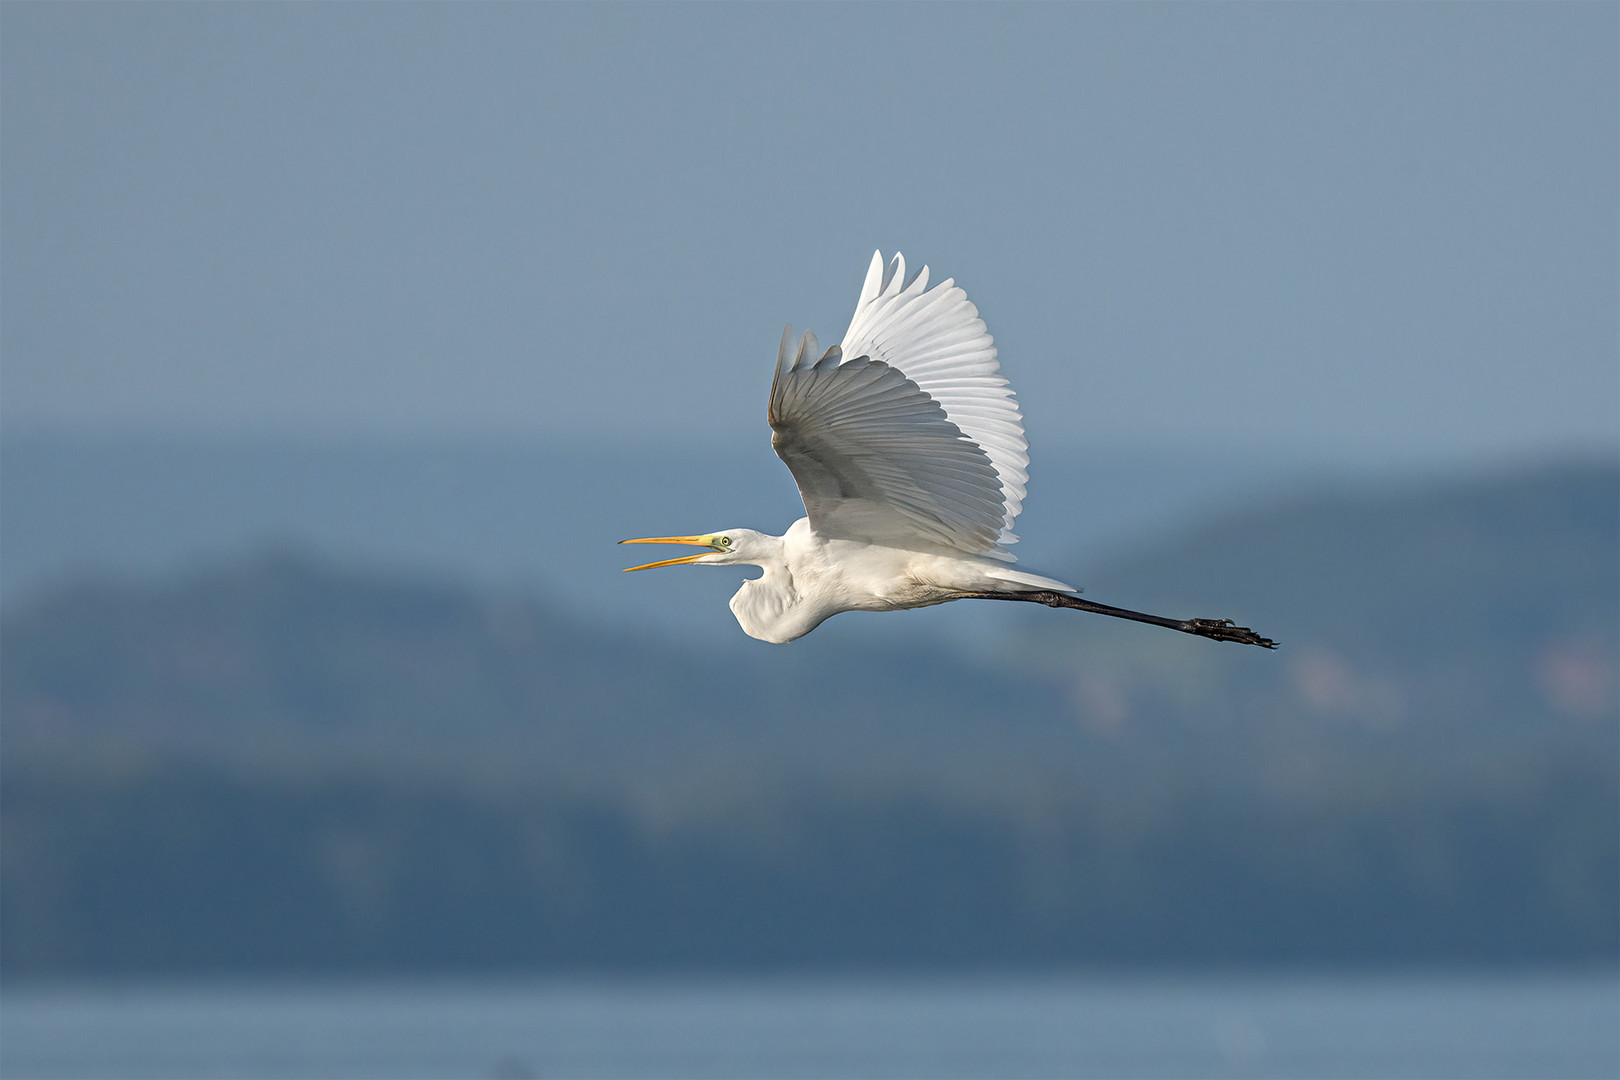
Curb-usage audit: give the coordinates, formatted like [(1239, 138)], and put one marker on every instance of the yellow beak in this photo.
[(701, 541)]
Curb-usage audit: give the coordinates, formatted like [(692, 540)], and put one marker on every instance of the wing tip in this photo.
[(809, 349), (784, 350)]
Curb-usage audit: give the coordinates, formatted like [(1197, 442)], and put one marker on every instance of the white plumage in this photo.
[(908, 449)]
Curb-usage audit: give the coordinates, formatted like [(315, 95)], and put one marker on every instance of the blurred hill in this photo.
[(289, 765), (529, 515), (1487, 605)]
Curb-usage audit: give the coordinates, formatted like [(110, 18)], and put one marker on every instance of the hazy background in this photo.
[(1363, 234), (341, 342)]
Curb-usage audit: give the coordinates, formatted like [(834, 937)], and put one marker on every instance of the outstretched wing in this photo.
[(905, 432)]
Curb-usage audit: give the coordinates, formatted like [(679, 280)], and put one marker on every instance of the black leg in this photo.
[(1215, 629)]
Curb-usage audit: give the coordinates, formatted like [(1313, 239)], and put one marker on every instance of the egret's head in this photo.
[(724, 548)]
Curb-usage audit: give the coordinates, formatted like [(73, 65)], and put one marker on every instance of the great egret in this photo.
[(909, 451)]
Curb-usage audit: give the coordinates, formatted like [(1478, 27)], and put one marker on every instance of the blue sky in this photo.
[(1368, 233)]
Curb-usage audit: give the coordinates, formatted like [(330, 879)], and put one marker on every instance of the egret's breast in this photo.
[(770, 608)]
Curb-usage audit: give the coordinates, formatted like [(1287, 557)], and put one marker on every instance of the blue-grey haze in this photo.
[(1371, 233)]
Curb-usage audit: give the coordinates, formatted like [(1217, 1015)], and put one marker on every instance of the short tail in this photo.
[(1034, 581)]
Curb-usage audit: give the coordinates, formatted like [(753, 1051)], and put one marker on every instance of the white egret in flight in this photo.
[(909, 451)]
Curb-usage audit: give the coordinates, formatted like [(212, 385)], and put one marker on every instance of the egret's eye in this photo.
[(725, 541)]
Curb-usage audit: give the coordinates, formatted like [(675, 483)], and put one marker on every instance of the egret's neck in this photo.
[(773, 556)]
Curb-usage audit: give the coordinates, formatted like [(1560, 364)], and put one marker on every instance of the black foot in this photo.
[(1226, 630)]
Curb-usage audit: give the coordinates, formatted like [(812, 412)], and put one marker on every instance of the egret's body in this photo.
[(908, 449), (809, 577)]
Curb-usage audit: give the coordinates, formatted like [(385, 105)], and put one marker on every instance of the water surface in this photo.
[(1543, 1026)]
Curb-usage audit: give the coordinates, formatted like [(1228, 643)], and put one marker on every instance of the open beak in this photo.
[(700, 541)]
